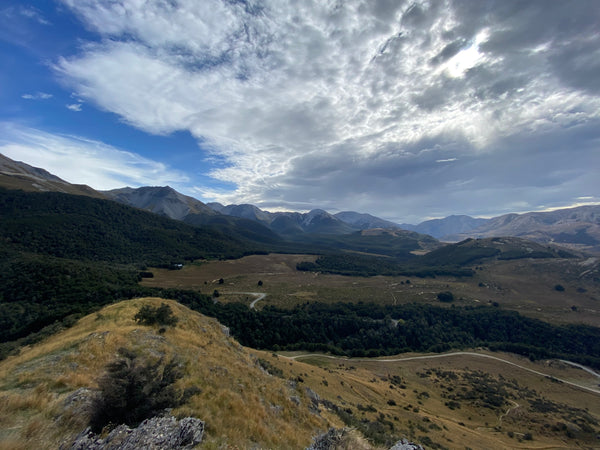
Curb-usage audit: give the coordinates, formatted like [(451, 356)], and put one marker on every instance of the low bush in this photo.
[(445, 297), (134, 389), (163, 315)]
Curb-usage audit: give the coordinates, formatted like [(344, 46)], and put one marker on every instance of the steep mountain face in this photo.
[(80, 227), (316, 221), (18, 175), (574, 227), (160, 200), (246, 211), (168, 202), (288, 223), (319, 221), (439, 228), (364, 221)]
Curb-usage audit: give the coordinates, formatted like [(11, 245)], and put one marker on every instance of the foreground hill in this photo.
[(47, 398), (254, 399)]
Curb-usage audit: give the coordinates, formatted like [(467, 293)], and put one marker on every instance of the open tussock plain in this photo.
[(527, 286)]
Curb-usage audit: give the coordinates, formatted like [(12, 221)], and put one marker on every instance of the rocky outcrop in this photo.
[(406, 445), (337, 438), (157, 433), (344, 438)]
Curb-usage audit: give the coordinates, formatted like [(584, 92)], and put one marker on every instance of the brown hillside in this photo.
[(255, 399), (241, 404)]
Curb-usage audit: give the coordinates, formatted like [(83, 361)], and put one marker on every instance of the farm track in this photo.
[(259, 296), (480, 355)]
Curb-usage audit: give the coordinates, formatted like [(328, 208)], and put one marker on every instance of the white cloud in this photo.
[(37, 96), (83, 161), (74, 107), (34, 14), (294, 96)]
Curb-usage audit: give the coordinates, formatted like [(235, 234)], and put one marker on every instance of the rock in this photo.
[(80, 401), (343, 438), (77, 408), (312, 395), (157, 433), (329, 440), (314, 400), (406, 445)]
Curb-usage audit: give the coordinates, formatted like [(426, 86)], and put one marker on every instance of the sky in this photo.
[(407, 110)]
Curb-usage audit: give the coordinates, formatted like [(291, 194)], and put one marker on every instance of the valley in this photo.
[(526, 286)]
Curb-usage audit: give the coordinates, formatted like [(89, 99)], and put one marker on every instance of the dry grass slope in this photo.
[(242, 405)]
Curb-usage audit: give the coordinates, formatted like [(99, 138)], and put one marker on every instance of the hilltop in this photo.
[(241, 403)]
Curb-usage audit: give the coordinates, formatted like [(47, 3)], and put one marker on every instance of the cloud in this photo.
[(355, 104), (76, 107), (37, 96), (28, 12), (83, 161), (34, 14)]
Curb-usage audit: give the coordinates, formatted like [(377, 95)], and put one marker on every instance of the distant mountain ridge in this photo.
[(19, 175), (577, 228), (365, 221), (439, 228), (160, 200), (289, 223)]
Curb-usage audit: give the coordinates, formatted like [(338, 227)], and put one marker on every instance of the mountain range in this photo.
[(577, 228)]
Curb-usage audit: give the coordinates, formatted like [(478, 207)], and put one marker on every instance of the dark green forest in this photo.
[(367, 329), (90, 229), (367, 266)]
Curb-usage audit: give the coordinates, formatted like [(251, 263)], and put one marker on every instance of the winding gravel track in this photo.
[(259, 296), (480, 355)]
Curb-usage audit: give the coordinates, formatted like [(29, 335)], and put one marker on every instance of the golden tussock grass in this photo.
[(241, 404)]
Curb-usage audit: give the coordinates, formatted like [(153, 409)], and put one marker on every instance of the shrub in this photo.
[(445, 297), (163, 315), (134, 389)]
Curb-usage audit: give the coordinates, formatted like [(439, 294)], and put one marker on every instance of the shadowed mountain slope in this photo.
[(18, 175)]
